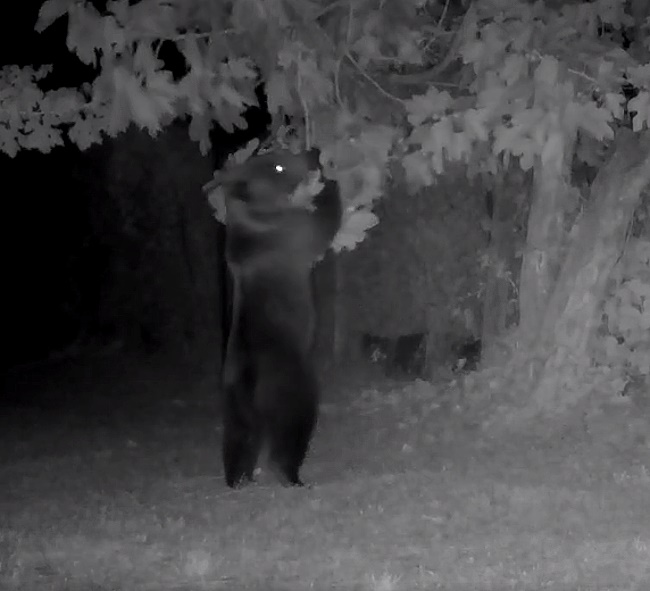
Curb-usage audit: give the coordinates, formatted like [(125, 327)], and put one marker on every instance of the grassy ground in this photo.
[(111, 479)]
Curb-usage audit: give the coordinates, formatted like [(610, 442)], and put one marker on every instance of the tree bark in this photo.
[(572, 314), (497, 314), (541, 260)]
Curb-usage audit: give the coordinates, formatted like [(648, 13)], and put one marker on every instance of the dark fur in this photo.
[(271, 389)]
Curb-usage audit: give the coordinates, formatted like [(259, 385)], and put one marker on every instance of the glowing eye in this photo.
[(279, 168)]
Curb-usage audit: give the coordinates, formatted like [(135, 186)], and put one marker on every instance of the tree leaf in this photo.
[(640, 106), (278, 93), (50, 11), (431, 105), (85, 132), (614, 103), (591, 118), (354, 229), (418, 171), (240, 68), (84, 32), (228, 94)]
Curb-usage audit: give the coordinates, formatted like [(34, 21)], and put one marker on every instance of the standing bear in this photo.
[(280, 219)]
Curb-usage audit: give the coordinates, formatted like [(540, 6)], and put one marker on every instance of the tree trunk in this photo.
[(545, 234), (572, 314), (497, 313)]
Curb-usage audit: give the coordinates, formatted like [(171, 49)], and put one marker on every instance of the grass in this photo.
[(110, 483)]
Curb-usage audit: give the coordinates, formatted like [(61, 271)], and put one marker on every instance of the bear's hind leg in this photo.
[(289, 437), (288, 452), (241, 448), (242, 441)]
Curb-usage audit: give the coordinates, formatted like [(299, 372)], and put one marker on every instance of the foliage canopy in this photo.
[(400, 85)]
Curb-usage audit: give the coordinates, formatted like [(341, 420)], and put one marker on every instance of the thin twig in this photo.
[(371, 80)]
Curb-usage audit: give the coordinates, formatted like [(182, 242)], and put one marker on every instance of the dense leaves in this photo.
[(626, 313), (372, 83)]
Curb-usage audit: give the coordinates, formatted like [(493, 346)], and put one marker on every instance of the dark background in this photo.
[(76, 265), (114, 251)]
